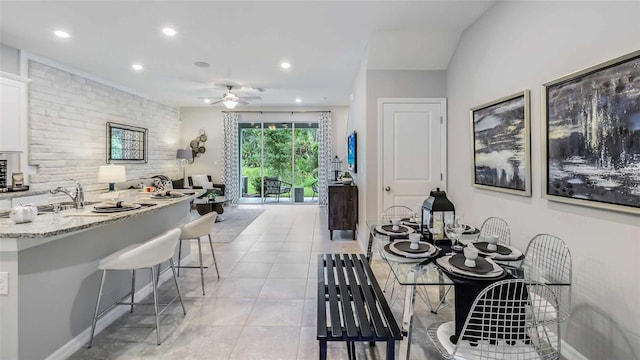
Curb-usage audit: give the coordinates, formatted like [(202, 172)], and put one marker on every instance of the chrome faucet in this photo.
[(78, 198)]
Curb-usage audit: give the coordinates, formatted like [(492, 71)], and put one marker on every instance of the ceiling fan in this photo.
[(230, 100)]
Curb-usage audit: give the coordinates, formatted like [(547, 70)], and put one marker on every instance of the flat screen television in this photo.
[(352, 159)]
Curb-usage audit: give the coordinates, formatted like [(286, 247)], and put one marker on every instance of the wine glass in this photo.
[(454, 230)]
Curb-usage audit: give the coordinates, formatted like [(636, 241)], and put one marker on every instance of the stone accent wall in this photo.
[(67, 129)]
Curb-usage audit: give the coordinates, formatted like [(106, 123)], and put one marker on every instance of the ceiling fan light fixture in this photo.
[(230, 104)]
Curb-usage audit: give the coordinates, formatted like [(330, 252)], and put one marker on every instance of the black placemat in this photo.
[(404, 245), (502, 250), (482, 265)]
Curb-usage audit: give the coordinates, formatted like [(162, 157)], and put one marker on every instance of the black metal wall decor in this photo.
[(197, 144)]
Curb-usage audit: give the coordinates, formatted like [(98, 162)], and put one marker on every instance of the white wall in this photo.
[(210, 119), (9, 59), (520, 45), (67, 129), (358, 122)]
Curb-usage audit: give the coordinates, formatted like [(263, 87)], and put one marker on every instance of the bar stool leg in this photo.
[(155, 302), (214, 256), (175, 279), (133, 287), (201, 268), (95, 314), (179, 255)]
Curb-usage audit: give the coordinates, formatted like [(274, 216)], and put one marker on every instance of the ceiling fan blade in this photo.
[(251, 97), (242, 102), (215, 102)]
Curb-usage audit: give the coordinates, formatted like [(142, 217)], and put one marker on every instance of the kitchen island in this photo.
[(52, 266)]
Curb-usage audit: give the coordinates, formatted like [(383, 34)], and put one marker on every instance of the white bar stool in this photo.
[(140, 256), (195, 230)]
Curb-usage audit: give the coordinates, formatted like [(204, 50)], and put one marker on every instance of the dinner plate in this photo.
[(443, 263), (482, 265), (106, 210), (404, 245), (391, 249), (388, 230), (483, 246), (514, 255)]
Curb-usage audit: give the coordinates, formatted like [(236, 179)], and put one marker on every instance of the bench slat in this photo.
[(363, 319), (321, 327), (371, 301), (345, 299), (393, 326), (336, 326)]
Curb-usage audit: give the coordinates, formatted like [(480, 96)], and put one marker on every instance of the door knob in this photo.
[(388, 188)]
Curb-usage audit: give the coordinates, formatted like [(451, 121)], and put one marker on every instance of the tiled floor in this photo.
[(262, 307)]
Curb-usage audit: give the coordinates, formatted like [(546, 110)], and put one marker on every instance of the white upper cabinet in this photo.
[(13, 113)]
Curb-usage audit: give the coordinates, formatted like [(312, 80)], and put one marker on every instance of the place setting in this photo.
[(395, 229), (491, 249), (411, 248), (114, 207), (167, 195), (470, 265)]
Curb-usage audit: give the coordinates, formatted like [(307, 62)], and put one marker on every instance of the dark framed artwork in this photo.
[(501, 145), (126, 143), (592, 136)]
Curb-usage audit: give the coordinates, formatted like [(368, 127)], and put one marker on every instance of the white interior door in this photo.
[(413, 151)]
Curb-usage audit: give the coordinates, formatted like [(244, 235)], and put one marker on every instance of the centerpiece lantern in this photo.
[(436, 211)]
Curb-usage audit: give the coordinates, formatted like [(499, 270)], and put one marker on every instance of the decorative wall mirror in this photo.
[(126, 143)]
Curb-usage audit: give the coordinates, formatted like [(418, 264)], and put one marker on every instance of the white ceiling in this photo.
[(244, 42)]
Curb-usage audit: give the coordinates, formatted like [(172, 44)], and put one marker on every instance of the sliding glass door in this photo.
[(278, 162)]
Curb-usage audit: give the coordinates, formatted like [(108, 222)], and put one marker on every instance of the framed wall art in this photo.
[(591, 129), (126, 143), (501, 145)]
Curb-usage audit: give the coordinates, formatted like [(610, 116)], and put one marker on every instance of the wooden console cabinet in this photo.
[(343, 208)]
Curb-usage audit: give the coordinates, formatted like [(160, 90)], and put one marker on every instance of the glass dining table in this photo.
[(411, 273)]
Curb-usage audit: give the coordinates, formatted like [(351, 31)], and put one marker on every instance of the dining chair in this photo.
[(503, 324), (547, 256), (496, 226), (395, 212)]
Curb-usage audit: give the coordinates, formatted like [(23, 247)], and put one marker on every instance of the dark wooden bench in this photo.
[(351, 306)]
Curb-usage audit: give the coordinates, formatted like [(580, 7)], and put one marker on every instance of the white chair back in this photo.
[(146, 255), (198, 227), (496, 226)]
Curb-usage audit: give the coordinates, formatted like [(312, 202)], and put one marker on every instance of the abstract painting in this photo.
[(501, 147), (592, 121)]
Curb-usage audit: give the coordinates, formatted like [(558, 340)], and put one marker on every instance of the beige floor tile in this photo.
[(276, 312), (267, 246), (249, 270), (267, 343), (283, 289), (268, 257), (292, 257), (202, 342), (224, 311), (272, 237), (289, 271), (239, 288)]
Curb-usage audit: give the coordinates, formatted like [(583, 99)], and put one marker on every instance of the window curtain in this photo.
[(324, 156), (230, 172)]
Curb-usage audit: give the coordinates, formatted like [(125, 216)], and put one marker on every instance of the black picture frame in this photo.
[(591, 130), (126, 143), (501, 139)]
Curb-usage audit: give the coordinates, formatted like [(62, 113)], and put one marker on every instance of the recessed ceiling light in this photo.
[(207, 100), (285, 65), (298, 100), (62, 34), (169, 31), (137, 67), (201, 64)]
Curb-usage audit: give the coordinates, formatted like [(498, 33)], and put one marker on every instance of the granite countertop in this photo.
[(15, 194), (67, 221)]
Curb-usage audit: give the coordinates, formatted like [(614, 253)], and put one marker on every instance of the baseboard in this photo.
[(82, 339), (569, 353)]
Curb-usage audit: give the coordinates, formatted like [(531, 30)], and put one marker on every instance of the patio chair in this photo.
[(277, 187)]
